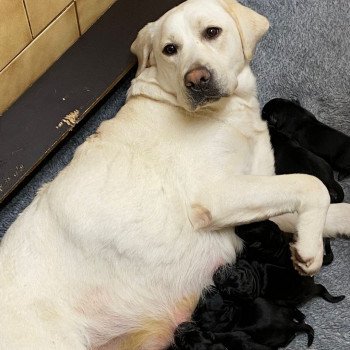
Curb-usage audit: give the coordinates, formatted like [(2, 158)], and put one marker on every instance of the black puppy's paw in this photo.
[(189, 337), (328, 256)]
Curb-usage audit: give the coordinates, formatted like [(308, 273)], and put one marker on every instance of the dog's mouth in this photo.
[(204, 98), (208, 99)]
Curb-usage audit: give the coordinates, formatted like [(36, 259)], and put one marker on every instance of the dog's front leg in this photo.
[(242, 199)]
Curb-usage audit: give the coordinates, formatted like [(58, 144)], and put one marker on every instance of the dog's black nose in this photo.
[(198, 79)]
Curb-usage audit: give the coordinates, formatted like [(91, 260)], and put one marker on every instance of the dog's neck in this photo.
[(245, 95), (147, 85)]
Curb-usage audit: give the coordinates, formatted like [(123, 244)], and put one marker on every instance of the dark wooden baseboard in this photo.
[(45, 114)]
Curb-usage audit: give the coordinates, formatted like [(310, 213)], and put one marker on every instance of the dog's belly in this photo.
[(156, 333), (143, 248), (162, 293)]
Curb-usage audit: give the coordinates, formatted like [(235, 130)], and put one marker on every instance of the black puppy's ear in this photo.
[(269, 117), (297, 102), (272, 121), (264, 113), (267, 113), (343, 174)]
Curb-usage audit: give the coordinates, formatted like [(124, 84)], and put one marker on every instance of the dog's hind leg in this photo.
[(337, 221)]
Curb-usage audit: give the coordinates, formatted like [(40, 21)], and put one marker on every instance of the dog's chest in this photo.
[(233, 146)]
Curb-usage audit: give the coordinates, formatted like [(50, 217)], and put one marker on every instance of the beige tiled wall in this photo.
[(14, 30), (54, 40), (34, 34), (42, 12), (90, 10)]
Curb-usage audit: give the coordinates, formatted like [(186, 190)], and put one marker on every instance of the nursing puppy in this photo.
[(117, 249), (266, 243), (291, 158), (299, 124), (284, 286), (273, 325), (188, 336), (267, 323)]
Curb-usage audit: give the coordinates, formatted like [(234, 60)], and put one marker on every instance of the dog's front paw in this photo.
[(307, 260)]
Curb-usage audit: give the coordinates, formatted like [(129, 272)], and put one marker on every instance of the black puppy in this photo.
[(267, 323), (291, 158), (239, 340), (188, 336), (299, 124), (266, 243), (265, 269), (234, 316), (283, 285), (273, 325)]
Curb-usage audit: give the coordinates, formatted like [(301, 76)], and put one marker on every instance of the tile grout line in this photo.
[(77, 16), (55, 18), (48, 25), (27, 15)]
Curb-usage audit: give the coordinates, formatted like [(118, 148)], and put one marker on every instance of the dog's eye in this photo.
[(212, 32), (170, 49)]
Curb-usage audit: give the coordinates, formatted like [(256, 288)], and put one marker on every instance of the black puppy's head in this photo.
[(285, 115)]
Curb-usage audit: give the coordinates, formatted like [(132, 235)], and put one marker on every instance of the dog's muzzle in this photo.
[(201, 87)]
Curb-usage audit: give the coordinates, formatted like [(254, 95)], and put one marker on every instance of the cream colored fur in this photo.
[(119, 247)]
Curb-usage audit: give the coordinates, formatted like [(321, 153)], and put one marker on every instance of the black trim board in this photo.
[(33, 126)]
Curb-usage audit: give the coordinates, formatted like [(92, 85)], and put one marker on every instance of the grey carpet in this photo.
[(306, 55)]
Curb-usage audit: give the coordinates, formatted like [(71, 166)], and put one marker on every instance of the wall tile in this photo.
[(14, 30), (42, 12), (90, 10), (36, 58)]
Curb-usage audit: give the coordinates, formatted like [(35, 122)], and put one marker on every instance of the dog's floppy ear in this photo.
[(251, 25), (142, 47)]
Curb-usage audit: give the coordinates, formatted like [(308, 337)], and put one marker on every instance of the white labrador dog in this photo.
[(118, 248)]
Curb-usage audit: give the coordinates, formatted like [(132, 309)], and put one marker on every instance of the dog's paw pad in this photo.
[(306, 265), (303, 261)]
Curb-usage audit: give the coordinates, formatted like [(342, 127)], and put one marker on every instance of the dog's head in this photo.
[(199, 48)]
